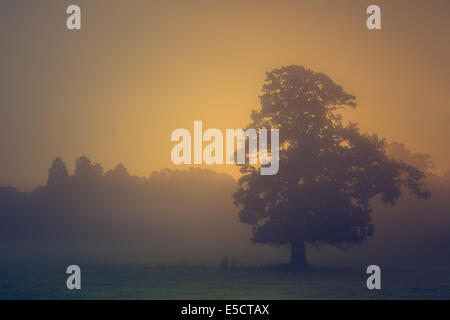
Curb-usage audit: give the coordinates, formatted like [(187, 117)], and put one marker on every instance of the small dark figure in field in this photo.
[(224, 263), (227, 264)]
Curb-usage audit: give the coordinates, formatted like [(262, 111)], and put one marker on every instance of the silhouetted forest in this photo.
[(176, 216)]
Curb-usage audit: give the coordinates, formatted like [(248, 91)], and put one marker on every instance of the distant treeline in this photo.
[(414, 232), (188, 215), (176, 214)]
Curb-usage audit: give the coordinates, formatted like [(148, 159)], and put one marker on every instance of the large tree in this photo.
[(329, 171)]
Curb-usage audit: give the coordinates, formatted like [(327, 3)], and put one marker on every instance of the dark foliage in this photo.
[(328, 173)]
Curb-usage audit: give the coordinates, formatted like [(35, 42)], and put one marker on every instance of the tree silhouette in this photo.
[(58, 176), (119, 171), (85, 170), (328, 171)]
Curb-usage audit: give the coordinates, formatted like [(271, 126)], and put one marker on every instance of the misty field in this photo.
[(191, 282)]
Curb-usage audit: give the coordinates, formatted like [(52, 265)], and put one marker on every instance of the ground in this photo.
[(195, 282)]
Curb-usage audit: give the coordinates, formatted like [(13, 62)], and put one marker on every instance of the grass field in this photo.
[(190, 282)]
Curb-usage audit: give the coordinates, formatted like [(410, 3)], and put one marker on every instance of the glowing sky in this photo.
[(137, 70)]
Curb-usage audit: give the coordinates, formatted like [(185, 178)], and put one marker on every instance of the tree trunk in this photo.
[(298, 255)]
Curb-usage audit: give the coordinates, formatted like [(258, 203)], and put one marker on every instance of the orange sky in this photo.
[(115, 90)]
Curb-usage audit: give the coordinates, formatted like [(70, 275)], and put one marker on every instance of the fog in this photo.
[(188, 217)]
